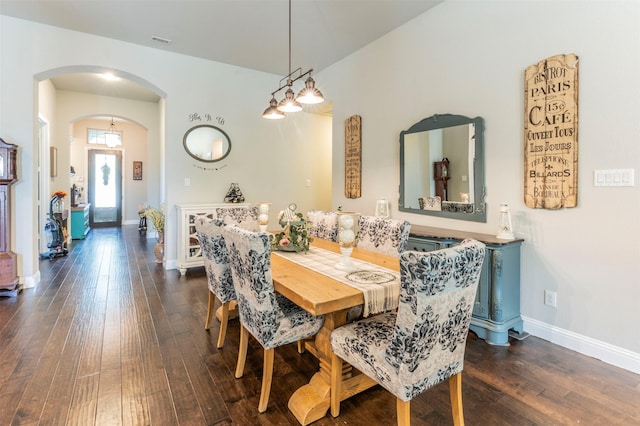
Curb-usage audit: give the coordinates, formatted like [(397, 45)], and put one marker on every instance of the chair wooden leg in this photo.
[(336, 384), (455, 393), (267, 374), (242, 351), (301, 346), (223, 324), (404, 412), (210, 310)]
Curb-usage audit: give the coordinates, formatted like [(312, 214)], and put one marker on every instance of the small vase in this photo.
[(158, 250)]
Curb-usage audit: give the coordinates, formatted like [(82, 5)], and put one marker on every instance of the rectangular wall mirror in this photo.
[(442, 168)]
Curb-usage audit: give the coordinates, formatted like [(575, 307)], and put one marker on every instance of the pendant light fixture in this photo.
[(112, 136), (292, 103)]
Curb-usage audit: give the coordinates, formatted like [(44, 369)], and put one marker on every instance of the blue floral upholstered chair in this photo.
[(386, 236), (244, 217), (423, 343), (272, 319), (323, 224), (216, 264)]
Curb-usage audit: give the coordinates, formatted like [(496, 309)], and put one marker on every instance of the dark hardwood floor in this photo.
[(108, 337)]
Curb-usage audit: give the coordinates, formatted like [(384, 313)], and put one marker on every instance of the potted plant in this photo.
[(156, 217)]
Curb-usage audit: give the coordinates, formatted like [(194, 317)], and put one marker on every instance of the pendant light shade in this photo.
[(289, 103), (272, 112), (112, 136), (310, 95)]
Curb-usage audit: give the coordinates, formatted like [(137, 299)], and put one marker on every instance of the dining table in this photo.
[(323, 294)]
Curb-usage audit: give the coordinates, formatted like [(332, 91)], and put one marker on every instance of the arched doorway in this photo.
[(71, 94)]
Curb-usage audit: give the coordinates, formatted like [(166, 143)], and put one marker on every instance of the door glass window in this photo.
[(105, 208)]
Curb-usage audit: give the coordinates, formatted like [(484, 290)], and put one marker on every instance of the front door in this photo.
[(105, 188)]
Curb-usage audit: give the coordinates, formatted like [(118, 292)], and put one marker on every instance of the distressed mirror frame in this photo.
[(441, 121), (222, 134)]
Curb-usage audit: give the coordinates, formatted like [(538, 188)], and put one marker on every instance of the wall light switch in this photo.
[(614, 177), (187, 182)]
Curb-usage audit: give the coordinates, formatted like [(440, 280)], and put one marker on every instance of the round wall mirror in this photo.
[(207, 143)]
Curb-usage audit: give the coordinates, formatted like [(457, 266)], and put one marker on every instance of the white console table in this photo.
[(189, 252)]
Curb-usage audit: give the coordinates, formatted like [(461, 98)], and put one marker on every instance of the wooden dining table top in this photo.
[(317, 293)]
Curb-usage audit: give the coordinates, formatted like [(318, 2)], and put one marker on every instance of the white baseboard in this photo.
[(30, 282), (605, 352)]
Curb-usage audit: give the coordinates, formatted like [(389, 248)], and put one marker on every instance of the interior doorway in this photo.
[(105, 188), (43, 182)]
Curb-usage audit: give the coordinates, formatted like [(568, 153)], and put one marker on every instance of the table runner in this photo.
[(380, 286)]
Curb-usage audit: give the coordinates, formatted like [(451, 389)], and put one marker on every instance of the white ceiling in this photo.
[(248, 33)]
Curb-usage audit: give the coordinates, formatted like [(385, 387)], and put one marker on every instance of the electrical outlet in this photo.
[(550, 298)]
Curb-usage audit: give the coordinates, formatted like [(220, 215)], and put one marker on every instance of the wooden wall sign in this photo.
[(353, 157), (551, 133)]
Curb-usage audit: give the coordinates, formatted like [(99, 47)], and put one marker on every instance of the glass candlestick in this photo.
[(263, 216), (347, 231), (505, 230)]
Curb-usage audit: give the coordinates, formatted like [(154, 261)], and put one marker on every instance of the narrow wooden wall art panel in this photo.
[(353, 157), (551, 133)]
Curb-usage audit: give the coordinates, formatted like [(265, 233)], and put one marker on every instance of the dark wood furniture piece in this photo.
[(441, 177), (8, 175)]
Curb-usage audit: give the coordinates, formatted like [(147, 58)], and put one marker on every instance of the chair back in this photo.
[(243, 217), (249, 257), (323, 224), (216, 258), (437, 295), (386, 236)]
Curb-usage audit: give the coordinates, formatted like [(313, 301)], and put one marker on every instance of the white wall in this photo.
[(469, 58), (270, 160)]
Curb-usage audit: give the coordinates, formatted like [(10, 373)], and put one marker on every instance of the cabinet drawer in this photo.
[(421, 244)]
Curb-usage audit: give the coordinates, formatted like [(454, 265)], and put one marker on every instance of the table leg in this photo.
[(312, 401), (233, 311)]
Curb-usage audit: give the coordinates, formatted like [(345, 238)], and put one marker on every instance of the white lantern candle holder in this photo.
[(382, 208), (505, 229), (263, 216), (347, 233)]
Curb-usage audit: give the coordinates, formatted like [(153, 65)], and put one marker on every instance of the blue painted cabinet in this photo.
[(496, 313), (80, 221)]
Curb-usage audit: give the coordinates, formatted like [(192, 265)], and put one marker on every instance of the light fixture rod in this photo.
[(290, 41), (289, 80)]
